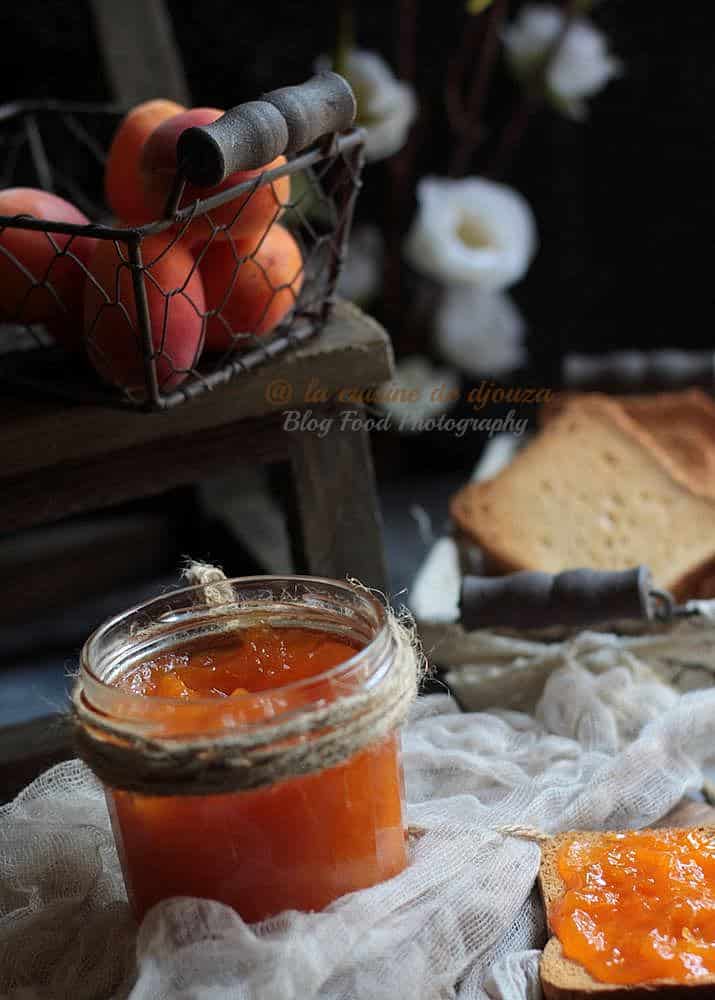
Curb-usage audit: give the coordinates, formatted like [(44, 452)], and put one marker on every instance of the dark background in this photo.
[(624, 202)]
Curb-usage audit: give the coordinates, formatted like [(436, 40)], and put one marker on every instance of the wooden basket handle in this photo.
[(577, 597), (252, 134)]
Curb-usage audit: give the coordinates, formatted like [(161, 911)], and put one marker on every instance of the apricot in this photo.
[(250, 286), (246, 214), (175, 296), (54, 260), (123, 185)]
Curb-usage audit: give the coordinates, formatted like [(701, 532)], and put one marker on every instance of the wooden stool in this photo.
[(62, 458)]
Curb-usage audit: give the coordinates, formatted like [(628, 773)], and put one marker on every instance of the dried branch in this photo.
[(470, 120), (532, 98), (400, 169)]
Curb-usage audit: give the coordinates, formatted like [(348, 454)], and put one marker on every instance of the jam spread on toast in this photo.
[(639, 906)]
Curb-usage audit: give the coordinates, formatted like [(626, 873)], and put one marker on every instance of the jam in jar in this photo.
[(176, 672)]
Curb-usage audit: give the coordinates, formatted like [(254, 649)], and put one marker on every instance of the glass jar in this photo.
[(294, 843)]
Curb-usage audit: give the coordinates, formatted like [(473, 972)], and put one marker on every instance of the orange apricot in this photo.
[(248, 214), (158, 158), (251, 212), (123, 184), (249, 287), (175, 297), (44, 281)]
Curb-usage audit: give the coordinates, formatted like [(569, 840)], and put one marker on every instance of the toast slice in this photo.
[(564, 979), (592, 490), (683, 424)]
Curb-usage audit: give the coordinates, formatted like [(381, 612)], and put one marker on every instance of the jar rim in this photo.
[(370, 649)]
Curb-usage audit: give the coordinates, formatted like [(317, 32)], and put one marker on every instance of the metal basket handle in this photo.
[(640, 370), (252, 134)]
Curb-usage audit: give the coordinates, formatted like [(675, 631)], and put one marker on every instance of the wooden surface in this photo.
[(38, 433), (55, 566), (140, 53), (147, 468), (341, 525), (29, 749), (60, 459)]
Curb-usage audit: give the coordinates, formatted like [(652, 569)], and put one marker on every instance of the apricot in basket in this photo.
[(175, 295), (250, 286), (42, 273), (123, 182)]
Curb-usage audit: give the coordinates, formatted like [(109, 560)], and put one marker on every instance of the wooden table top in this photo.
[(41, 432)]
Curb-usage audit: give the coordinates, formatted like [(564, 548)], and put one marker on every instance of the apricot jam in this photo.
[(639, 906), (296, 844)]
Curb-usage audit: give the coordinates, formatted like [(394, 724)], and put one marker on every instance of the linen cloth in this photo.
[(610, 749)]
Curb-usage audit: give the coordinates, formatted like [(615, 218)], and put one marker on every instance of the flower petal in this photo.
[(361, 273), (471, 231), (583, 64), (480, 332), (387, 106)]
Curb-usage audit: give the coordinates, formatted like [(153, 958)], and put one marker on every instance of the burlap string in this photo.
[(260, 754), (517, 830), (522, 832), (217, 590)]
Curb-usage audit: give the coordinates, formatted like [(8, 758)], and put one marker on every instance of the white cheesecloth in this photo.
[(604, 749)]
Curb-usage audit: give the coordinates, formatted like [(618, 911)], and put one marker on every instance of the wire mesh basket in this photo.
[(240, 264)]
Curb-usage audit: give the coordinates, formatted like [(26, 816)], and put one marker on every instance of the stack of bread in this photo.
[(608, 483)]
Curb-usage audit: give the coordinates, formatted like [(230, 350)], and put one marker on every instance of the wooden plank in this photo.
[(48, 493), (352, 350), (140, 52), (337, 501), (26, 750), (55, 566)]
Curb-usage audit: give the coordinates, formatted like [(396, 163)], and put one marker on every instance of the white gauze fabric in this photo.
[(462, 921)]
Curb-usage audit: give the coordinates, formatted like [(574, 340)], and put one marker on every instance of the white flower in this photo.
[(471, 231), (583, 64), (361, 272), (433, 391), (386, 106), (480, 332)]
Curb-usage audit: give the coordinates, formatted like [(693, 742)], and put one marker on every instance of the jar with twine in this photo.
[(283, 798)]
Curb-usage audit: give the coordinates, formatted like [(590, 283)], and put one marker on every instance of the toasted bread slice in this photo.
[(683, 424), (564, 979), (592, 490)]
